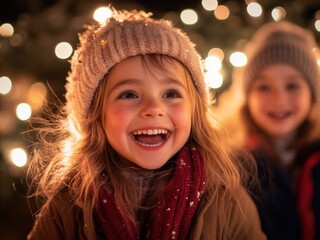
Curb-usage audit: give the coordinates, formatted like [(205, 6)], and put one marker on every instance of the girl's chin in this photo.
[(281, 134)]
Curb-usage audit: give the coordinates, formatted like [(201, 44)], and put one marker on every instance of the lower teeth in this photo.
[(150, 145)]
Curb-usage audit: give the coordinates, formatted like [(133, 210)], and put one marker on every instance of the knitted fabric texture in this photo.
[(172, 216), (283, 42), (124, 35)]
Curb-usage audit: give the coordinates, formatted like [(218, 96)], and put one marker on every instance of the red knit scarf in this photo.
[(172, 216)]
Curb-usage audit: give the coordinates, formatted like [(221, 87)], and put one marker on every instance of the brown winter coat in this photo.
[(64, 220)]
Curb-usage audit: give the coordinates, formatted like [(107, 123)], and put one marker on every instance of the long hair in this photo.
[(77, 155)]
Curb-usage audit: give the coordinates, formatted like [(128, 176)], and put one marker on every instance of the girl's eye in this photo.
[(262, 88), (127, 94), (172, 94), (292, 86)]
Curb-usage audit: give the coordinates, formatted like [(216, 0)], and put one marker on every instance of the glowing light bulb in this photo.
[(18, 157), (212, 63), (63, 50), (209, 5), (213, 79), (6, 30), (101, 14), (238, 59), (5, 85), (23, 111), (189, 16), (254, 9)]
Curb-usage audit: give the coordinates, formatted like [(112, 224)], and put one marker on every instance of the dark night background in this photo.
[(44, 23)]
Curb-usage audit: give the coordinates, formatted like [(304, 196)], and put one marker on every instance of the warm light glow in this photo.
[(317, 25), (317, 54), (238, 59), (189, 16), (63, 50), (213, 79), (5, 85), (212, 63), (37, 95), (209, 5), (72, 128), (254, 9), (6, 30), (221, 12), (75, 136), (7, 122), (67, 149), (15, 40), (102, 14), (23, 111), (216, 52), (278, 13), (18, 157)]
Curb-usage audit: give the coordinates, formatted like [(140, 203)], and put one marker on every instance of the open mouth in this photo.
[(150, 137), (279, 115)]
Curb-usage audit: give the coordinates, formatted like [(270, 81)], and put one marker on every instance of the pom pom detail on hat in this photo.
[(283, 42), (126, 34)]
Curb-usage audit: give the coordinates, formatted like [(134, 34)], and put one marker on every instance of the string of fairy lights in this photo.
[(35, 92)]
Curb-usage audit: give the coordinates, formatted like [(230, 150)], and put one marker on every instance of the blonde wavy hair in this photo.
[(76, 158)]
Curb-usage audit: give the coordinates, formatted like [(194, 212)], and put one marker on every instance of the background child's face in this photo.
[(147, 113), (279, 100)]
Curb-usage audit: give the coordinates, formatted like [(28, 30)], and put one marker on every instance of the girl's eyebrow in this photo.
[(129, 81), (133, 81), (174, 81)]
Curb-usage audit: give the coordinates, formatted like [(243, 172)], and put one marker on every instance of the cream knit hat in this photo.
[(124, 35), (283, 42)]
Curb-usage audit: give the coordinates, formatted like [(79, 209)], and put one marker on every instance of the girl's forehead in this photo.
[(140, 67), (282, 66), (280, 71)]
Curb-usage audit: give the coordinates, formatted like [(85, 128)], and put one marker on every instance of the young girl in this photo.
[(280, 118), (136, 156)]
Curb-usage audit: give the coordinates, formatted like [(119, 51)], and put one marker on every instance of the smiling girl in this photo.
[(281, 127), (137, 156)]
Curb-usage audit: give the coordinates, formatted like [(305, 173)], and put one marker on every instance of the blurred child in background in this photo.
[(277, 95)]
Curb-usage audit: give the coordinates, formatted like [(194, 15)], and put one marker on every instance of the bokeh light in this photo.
[(23, 111), (221, 12), (6, 30), (18, 157), (218, 52), (209, 5), (5, 85), (238, 59), (254, 9), (278, 13), (7, 122), (213, 79), (212, 63), (37, 95), (317, 25), (189, 16), (101, 14), (63, 50)]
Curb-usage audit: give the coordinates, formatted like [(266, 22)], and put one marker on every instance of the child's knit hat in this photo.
[(283, 42), (124, 35)]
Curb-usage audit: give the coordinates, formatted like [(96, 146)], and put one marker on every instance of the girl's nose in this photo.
[(152, 108), (278, 96)]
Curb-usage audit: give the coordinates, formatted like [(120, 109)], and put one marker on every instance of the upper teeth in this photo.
[(150, 132)]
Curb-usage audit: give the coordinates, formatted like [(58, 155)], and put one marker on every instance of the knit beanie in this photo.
[(125, 34), (283, 42)]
